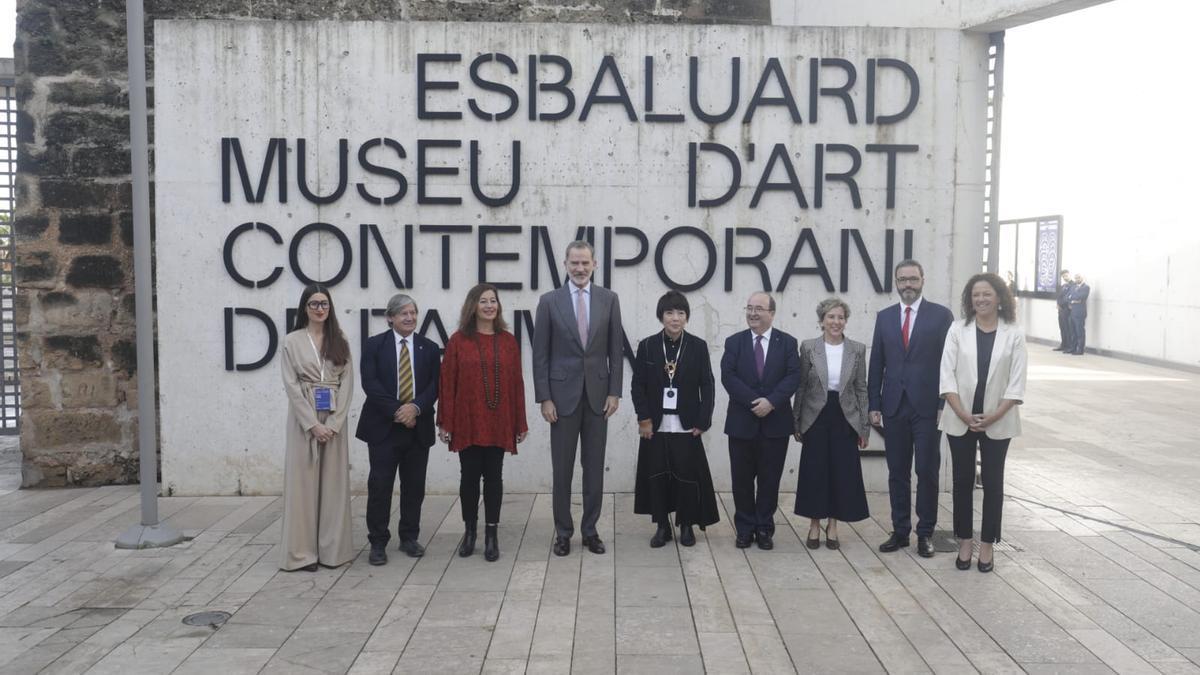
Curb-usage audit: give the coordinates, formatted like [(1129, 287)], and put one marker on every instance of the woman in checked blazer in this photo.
[(830, 412)]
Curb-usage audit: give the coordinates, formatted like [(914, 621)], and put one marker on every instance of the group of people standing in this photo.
[(1072, 302), (823, 391)]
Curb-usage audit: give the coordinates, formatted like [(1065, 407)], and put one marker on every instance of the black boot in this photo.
[(491, 544), (467, 547), (662, 536)]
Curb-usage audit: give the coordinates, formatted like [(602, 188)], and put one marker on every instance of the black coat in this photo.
[(693, 379), (378, 376)]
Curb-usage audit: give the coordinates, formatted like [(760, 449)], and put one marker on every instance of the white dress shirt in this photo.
[(766, 342), (916, 309)]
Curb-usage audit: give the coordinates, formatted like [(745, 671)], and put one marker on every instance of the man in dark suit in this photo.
[(578, 342), (902, 389), (1078, 303), (760, 370), (1063, 299), (400, 372)]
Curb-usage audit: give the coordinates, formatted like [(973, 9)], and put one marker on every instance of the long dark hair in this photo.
[(1005, 303), (334, 346), (466, 319)]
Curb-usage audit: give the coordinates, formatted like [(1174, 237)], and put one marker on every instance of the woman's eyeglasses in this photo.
[(318, 304)]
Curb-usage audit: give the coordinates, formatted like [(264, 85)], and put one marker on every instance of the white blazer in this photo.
[(1006, 377)]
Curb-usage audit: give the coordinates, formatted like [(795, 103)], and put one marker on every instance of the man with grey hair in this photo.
[(400, 371), (578, 342)]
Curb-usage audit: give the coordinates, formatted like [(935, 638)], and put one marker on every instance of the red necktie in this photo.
[(904, 328)]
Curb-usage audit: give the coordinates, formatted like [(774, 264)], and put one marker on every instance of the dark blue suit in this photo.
[(393, 446), (758, 446), (1077, 301), (903, 385)]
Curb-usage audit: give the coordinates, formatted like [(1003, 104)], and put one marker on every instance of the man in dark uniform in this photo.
[(1066, 339)]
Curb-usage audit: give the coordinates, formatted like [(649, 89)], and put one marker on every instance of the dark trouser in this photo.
[(908, 436), (750, 460), (402, 453), (478, 462), (829, 482), (589, 431), (991, 467), (1078, 329), (1067, 337)]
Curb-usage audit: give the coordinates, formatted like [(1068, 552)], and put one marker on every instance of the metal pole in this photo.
[(150, 533)]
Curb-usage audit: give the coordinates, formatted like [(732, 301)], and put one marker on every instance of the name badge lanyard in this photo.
[(671, 367), (322, 395)]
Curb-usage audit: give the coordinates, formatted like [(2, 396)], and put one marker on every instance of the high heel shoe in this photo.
[(831, 543), (958, 561), (814, 542), (986, 567)]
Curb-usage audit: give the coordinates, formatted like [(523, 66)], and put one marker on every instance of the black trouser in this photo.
[(992, 452), (404, 454), (909, 437), (1078, 329), (1066, 337), (476, 461), (756, 463)]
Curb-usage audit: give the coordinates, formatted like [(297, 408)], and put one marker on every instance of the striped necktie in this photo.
[(405, 376)]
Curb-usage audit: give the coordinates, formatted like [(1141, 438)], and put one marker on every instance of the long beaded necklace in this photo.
[(492, 400)]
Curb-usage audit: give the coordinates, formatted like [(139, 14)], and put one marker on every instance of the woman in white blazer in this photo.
[(983, 382)]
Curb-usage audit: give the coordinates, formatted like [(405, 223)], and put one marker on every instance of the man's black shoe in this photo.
[(594, 544), (562, 545), (687, 536), (744, 541), (412, 548), (378, 556), (764, 541), (924, 547), (893, 543)]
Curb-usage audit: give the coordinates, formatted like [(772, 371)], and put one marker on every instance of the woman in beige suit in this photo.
[(831, 421), (319, 379), (983, 381)]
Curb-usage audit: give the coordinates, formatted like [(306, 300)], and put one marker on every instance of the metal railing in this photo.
[(10, 387)]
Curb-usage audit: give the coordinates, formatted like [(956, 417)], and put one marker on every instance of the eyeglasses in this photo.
[(907, 280), (754, 309), (318, 304)]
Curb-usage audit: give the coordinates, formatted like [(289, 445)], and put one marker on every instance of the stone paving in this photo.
[(1100, 572)]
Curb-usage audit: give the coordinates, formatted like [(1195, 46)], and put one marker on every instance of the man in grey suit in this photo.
[(577, 372)]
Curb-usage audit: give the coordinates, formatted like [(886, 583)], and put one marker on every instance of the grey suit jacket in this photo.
[(561, 364), (814, 385)]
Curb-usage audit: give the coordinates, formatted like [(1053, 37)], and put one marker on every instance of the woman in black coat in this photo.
[(672, 392)]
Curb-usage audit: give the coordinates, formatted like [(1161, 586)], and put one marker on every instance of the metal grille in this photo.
[(991, 182), (10, 391)]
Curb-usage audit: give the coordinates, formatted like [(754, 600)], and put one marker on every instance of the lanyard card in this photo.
[(670, 398), (323, 397)]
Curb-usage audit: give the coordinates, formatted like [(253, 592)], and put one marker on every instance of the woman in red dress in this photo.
[(481, 414)]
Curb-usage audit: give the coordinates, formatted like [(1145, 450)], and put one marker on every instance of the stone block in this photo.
[(37, 392), (124, 356), (51, 161), (89, 92), (86, 128), (72, 352), (25, 127), (82, 309), (61, 427), (125, 222), (88, 389), (28, 227), (105, 160), (35, 266), (95, 271), (85, 229), (21, 309), (78, 194)]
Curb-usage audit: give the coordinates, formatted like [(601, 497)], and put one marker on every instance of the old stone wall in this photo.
[(75, 311)]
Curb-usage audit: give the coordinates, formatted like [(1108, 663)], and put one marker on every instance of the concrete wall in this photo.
[(327, 81)]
